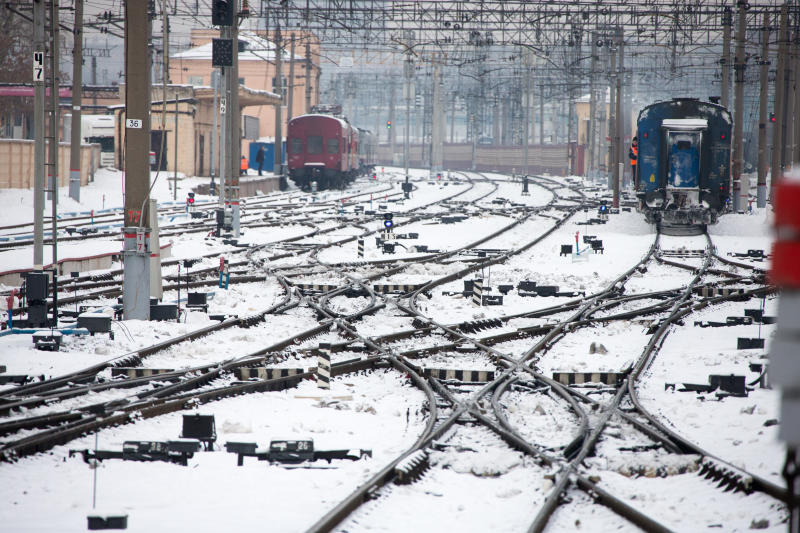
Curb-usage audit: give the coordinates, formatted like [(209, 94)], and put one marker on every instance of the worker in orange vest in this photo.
[(633, 154), (243, 168)]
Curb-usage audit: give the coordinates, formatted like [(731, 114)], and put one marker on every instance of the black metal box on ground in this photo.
[(184, 445), (107, 521), (546, 290), (291, 451), (95, 322), (241, 447), (163, 312), (36, 286), (732, 384), (198, 299), (743, 343), (200, 427), (526, 285)]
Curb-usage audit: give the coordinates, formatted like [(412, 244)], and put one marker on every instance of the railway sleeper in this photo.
[(411, 468), (728, 476)]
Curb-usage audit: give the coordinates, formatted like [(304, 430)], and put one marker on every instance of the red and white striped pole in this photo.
[(784, 366)]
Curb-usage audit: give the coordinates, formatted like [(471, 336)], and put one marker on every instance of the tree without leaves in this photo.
[(16, 52)]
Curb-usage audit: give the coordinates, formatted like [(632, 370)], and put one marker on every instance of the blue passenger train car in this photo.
[(683, 171)]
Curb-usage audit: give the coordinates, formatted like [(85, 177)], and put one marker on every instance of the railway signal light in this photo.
[(222, 13), (772, 117), (388, 124), (387, 220), (190, 199)]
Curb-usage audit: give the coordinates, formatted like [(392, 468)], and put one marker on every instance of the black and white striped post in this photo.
[(477, 291), (324, 366), (361, 248)]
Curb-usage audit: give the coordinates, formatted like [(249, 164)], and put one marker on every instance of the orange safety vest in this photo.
[(244, 165), (635, 155)]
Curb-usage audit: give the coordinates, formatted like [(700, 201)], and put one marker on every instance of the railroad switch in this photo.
[(47, 340), (292, 452), (173, 451), (729, 385)]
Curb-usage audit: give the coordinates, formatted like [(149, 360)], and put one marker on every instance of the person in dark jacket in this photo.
[(260, 158)]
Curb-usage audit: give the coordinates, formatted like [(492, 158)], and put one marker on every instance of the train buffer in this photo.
[(465, 376), (133, 372), (614, 379), (398, 288), (710, 292), (292, 452)]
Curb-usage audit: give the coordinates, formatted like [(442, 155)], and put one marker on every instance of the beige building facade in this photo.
[(191, 109), (257, 71)]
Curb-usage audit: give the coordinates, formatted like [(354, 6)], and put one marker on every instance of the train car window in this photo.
[(314, 144), (333, 146), (684, 145), (295, 145)]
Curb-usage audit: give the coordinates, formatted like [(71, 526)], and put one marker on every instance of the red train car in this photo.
[(326, 149)]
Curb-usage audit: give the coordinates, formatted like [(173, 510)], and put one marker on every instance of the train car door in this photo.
[(684, 159)]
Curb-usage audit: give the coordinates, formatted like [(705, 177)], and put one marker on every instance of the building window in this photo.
[(195, 80), (314, 144), (295, 145), (333, 146)]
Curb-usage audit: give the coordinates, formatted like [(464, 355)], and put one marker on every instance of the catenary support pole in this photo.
[(279, 90), (235, 125), (77, 97), (175, 148), (309, 68), (761, 194), (290, 85), (612, 119), (52, 159), (39, 52), (136, 238), (776, 168), (725, 82), (740, 63)]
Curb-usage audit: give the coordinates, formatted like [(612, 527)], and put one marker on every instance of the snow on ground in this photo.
[(490, 486)]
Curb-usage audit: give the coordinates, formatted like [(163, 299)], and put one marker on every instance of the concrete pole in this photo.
[(213, 147), (452, 117), (592, 109), (762, 115), (788, 104), (224, 163), (738, 117), (308, 78), (437, 131), (77, 98), (392, 130), (776, 167), (795, 157), (175, 148), (165, 49), (39, 51), (279, 90), (52, 159), (235, 124), (136, 234), (618, 161), (527, 114), (612, 121), (725, 83), (408, 70), (290, 88), (541, 114)]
